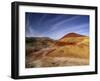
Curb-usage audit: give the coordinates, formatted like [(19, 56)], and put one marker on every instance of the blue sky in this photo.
[(55, 26)]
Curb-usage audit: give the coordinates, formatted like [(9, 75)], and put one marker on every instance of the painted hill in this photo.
[(73, 39), (72, 45), (71, 50), (72, 35)]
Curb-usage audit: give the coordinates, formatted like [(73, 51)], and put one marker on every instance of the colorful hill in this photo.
[(71, 50)]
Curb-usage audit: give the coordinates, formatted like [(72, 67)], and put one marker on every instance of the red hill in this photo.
[(72, 35)]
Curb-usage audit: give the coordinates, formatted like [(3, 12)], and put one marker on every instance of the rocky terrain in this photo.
[(71, 50)]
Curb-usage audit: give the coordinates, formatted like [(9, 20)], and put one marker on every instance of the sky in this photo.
[(55, 26)]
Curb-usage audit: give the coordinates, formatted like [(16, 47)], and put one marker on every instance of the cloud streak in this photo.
[(55, 25)]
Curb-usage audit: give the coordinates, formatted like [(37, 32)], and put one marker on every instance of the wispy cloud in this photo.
[(33, 33), (57, 34), (55, 25)]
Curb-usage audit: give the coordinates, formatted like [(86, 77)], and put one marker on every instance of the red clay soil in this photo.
[(72, 35)]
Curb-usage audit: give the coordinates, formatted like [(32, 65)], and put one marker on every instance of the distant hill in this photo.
[(34, 44), (39, 41), (73, 39), (72, 35)]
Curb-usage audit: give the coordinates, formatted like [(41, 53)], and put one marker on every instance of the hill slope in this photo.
[(72, 49)]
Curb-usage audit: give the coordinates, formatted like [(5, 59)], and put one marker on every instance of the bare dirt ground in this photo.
[(41, 59), (58, 61)]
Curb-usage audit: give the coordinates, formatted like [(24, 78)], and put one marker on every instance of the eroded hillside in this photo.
[(71, 50)]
